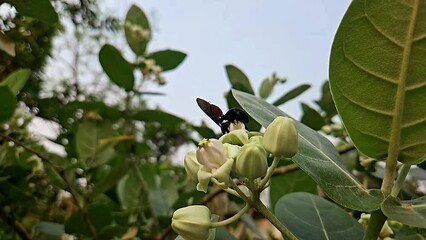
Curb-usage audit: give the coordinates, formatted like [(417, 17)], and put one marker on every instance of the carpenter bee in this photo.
[(235, 118)]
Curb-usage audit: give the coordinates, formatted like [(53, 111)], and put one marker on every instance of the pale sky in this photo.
[(292, 38)]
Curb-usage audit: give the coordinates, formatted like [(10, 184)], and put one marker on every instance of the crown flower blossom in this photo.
[(192, 222), (215, 163)]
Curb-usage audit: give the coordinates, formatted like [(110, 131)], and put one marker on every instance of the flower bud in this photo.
[(281, 137), (211, 153), (252, 162), (191, 165), (192, 222), (236, 137)]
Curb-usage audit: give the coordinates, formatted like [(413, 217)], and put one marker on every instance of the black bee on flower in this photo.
[(234, 118)]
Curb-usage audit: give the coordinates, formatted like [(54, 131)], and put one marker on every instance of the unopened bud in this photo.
[(192, 222), (252, 162), (281, 137)]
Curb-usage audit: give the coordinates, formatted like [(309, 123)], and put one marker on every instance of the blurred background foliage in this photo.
[(114, 176)]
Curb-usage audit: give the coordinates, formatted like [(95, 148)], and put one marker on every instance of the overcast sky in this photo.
[(292, 38)]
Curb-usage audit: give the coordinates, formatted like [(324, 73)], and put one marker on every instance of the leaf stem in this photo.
[(400, 180), (231, 219)]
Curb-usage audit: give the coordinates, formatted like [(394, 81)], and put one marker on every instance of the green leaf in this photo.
[(410, 212), (167, 59), (8, 103), (293, 93), (296, 181), (308, 217), (378, 77), (88, 147), (157, 116), (100, 215), (318, 158), (113, 176), (137, 29), (131, 192), (238, 79), (16, 81), (312, 118), (116, 67), (326, 102), (41, 9)]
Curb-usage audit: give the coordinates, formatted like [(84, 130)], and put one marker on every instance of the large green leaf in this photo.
[(378, 77), (310, 217), (411, 212), (318, 158), (137, 29), (167, 59), (41, 9), (16, 80), (7, 103), (116, 67)]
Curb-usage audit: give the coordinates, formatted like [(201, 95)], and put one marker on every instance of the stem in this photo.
[(231, 219), (375, 225), (228, 190), (400, 180), (240, 192), (271, 171), (262, 209)]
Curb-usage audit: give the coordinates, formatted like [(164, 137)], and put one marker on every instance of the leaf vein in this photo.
[(379, 30), (413, 123), (319, 217), (371, 109), (369, 71), (415, 86)]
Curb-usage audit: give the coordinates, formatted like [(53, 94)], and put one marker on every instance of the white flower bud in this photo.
[(192, 222), (252, 161), (281, 137)]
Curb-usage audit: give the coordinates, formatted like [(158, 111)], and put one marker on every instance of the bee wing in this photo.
[(213, 111)]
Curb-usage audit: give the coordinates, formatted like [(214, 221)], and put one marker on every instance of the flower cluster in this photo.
[(237, 154)]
